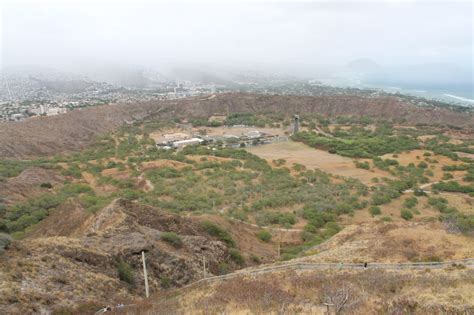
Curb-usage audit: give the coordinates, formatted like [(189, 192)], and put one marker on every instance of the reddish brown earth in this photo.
[(28, 184)]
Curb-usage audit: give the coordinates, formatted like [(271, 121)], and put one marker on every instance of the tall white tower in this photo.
[(296, 124)]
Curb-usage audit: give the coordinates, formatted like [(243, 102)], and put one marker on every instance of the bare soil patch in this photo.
[(163, 163), (466, 155), (28, 184)]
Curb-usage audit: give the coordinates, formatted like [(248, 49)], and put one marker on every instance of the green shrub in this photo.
[(331, 228), (419, 192), (25, 214), (307, 236), (71, 190), (279, 162), (375, 210), (274, 217), (454, 186), (5, 241), (447, 176), (236, 256), (264, 235), (165, 282), (215, 230), (358, 145), (387, 219), (288, 256), (364, 165), (255, 258), (406, 214), (172, 238), (422, 165), (125, 272), (46, 185), (223, 268), (410, 202)]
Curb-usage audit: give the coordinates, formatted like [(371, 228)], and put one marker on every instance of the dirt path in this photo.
[(299, 266), (324, 133), (430, 184), (267, 227)]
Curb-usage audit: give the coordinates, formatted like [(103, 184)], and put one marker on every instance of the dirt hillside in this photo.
[(74, 130), (76, 264)]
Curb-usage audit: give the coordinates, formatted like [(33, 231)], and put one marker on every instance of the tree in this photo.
[(340, 297)]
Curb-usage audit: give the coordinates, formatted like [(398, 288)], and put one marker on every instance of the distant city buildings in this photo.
[(25, 97), (22, 97)]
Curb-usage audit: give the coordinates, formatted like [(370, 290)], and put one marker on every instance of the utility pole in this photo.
[(147, 293)]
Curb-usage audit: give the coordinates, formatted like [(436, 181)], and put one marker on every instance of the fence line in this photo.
[(298, 266)]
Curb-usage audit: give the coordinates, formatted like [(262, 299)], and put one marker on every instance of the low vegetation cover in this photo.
[(454, 186), (359, 143), (264, 235), (5, 241), (172, 238), (125, 272), (406, 214), (21, 216), (236, 256), (215, 230), (11, 168), (236, 183)]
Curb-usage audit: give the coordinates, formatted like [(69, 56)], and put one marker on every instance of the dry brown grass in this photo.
[(393, 242), (449, 291), (295, 152)]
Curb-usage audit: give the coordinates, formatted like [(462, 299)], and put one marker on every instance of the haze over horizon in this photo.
[(425, 43)]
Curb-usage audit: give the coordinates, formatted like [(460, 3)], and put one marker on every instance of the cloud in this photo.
[(279, 34)]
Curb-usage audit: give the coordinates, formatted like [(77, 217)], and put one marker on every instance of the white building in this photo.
[(183, 143), (253, 134)]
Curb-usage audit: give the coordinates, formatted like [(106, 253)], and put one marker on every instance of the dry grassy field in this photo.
[(396, 241), (305, 292), (295, 152)]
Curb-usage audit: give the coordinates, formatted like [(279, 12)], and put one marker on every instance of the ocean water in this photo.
[(459, 94)]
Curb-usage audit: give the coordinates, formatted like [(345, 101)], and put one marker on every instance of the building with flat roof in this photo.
[(183, 143)]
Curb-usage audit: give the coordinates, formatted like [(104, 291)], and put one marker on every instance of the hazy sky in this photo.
[(286, 34)]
